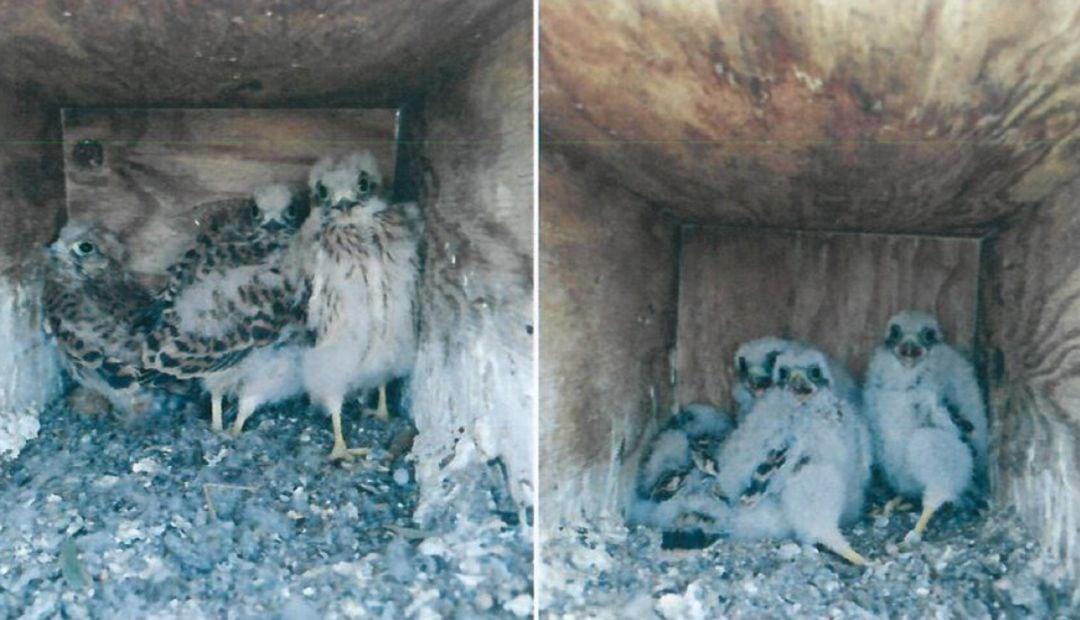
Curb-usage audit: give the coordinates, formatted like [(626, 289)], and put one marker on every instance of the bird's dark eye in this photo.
[(929, 336), (83, 248), (744, 368), (255, 212), (321, 191), (782, 374), (894, 334), (814, 373), (770, 360), (362, 184)]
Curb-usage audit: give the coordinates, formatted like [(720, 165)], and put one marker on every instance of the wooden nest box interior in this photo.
[(717, 172), (133, 113)]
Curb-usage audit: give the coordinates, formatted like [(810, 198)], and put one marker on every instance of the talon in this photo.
[(924, 519), (341, 453)]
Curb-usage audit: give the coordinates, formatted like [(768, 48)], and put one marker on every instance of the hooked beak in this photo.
[(801, 387), (273, 225), (343, 205), (909, 353), (758, 383)]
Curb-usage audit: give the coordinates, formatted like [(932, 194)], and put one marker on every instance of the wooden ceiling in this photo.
[(940, 117), (234, 52)]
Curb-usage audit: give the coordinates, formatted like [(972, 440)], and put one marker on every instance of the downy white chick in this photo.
[(799, 462), (927, 415), (361, 256)]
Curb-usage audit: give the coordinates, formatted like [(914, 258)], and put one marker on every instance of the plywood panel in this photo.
[(1031, 332), (156, 166), (607, 308), (915, 117), (473, 378), (833, 289)]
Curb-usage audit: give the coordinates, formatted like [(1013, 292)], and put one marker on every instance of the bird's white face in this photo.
[(755, 362), (910, 336), (346, 183), (802, 374), (278, 207)]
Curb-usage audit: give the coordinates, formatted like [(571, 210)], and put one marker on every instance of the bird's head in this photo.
[(280, 207), (911, 335), (87, 250), (803, 373), (346, 182), (755, 361)]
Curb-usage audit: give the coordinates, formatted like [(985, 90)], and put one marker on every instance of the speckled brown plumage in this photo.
[(233, 295), (94, 310)]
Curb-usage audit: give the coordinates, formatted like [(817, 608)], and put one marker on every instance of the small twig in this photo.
[(409, 532), (220, 485)]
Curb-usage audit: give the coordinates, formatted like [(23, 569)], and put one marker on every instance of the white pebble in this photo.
[(788, 551), (401, 476)]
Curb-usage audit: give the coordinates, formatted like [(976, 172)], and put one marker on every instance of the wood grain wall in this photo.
[(836, 290), (31, 180), (1031, 339), (158, 165), (473, 382), (607, 307), (916, 117)]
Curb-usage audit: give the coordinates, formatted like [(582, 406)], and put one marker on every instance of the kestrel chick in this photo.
[(361, 256), (93, 307), (244, 233), (676, 486), (799, 462), (754, 363), (927, 415), (232, 313)]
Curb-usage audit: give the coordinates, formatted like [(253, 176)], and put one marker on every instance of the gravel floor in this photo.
[(969, 566), (168, 520)]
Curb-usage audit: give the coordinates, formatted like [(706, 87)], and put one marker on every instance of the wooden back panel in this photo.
[(156, 166), (836, 290)]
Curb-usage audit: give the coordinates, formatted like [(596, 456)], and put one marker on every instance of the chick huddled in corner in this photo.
[(928, 417), (93, 309)]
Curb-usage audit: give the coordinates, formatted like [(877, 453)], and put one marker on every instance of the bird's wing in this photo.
[(92, 350), (766, 472), (271, 313), (227, 243)]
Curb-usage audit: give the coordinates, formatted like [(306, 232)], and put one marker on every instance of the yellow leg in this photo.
[(929, 508), (215, 412), (340, 451), (924, 519), (243, 412), (381, 411), (851, 555)]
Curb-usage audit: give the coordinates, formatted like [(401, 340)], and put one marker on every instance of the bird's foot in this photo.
[(238, 423), (896, 504), (916, 533), (913, 538), (382, 414), (342, 453)]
